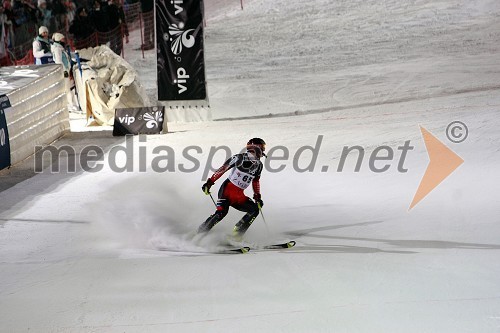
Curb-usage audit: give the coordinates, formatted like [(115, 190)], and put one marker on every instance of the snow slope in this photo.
[(78, 250)]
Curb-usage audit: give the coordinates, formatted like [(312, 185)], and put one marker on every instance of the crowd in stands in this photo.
[(80, 20)]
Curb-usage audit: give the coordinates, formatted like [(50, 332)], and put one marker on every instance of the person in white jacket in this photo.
[(61, 56), (41, 47)]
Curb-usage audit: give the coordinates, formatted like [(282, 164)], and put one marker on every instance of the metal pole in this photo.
[(211, 197), (142, 32), (264, 219)]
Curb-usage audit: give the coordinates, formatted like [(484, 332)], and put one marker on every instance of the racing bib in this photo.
[(240, 179)]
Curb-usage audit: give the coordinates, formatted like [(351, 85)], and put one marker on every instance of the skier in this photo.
[(246, 169)]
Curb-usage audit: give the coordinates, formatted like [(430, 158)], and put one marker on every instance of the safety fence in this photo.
[(135, 21)]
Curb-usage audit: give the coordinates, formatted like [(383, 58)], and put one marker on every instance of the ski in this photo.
[(285, 245), (243, 249)]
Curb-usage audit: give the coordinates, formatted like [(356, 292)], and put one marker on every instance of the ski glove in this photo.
[(206, 187), (258, 200)]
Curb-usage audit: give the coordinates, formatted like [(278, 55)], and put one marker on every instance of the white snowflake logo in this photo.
[(180, 38), (153, 118)]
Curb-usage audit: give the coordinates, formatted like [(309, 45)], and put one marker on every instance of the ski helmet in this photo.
[(257, 146)]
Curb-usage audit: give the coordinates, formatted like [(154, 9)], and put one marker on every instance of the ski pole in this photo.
[(211, 197), (264, 219), (206, 190)]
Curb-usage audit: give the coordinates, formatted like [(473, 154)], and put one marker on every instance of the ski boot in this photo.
[(209, 223)]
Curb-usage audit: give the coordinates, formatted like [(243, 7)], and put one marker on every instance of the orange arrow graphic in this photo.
[(442, 162)]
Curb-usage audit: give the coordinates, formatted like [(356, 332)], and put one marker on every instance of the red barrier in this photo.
[(132, 13), (113, 38), (90, 41), (20, 51), (149, 30), (27, 60)]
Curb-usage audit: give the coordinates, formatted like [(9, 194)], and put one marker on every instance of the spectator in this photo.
[(5, 31), (117, 26), (7, 17), (81, 28), (25, 20), (7, 5), (117, 16), (71, 10), (28, 11), (59, 12), (41, 47), (44, 14), (9, 23), (99, 17)]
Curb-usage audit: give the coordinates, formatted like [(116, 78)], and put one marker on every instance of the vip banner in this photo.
[(4, 134), (180, 56), (148, 120)]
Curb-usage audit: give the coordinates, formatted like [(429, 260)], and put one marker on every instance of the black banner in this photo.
[(148, 120), (4, 134), (180, 57)]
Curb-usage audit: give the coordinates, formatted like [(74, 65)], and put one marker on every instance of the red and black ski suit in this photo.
[(246, 170)]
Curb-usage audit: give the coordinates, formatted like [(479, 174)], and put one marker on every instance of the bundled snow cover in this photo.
[(38, 114), (106, 82)]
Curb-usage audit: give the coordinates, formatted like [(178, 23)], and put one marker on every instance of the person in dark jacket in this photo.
[(81, 28), (116, 15), (59, 12), (117, 25), (99, 16)]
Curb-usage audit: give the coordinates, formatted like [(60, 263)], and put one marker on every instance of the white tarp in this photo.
[(107, 82)]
